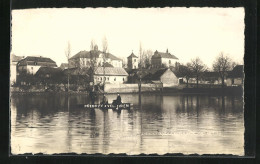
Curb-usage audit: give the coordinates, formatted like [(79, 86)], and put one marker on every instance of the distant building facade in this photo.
[(94, 57), (161, 59), (32, 64), (112, 75), (164, 76), (132, 61), (13, 68), (236, 76)]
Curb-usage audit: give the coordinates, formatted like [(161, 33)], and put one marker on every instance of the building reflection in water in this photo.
[(52, 123)]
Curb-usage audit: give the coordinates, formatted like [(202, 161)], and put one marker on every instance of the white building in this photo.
[(112, 75), (132, 61), (161, 59), (32, 64), (87, 58), (13, 67)]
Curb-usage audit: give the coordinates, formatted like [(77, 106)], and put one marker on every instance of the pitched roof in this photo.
[(93, 53), (116, 71), (41, 61), (156, 75), (48, 70), (108, 65), (132, 56), (163, 55), (237, 72)]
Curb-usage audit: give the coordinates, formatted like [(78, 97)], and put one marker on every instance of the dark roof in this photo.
[(95, 53), (163, 55), (132, 56), (48, 70), (237, 72), (77, 71), (15, 58), (108, 65), (41, 61), (116, 71), (156, 75)]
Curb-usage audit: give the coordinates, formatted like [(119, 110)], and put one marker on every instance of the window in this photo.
[(169, 61), (114, 79), (123, 79), (101, 78), (134, 60), (107, 78)]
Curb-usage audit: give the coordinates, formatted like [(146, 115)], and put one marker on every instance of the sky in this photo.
[(187, 33)]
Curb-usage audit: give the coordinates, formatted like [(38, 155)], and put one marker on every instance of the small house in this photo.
[(236, 76), (112, 75), (164, 76)]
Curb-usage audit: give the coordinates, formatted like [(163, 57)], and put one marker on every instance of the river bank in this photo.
[(236, 90)]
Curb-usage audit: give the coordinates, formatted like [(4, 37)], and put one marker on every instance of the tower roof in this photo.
[(132, 56)]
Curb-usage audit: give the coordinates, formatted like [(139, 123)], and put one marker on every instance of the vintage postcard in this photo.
[(127, 81)]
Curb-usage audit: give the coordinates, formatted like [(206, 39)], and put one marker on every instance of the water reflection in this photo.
[(53, 123)]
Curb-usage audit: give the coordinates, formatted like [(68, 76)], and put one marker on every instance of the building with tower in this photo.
[(163, 59), (132, 61)]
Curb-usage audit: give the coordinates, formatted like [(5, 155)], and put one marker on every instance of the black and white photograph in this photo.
[(127, 81)]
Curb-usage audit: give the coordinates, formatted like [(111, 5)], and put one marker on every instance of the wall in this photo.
[(110, 79), (130, 88), (169, 78), (156, 62), (132, 63), (165, 61)]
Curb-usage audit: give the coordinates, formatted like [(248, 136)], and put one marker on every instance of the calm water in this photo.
[(49, 123)]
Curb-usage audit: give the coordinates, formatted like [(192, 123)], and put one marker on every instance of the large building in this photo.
[(112, 75), (132, 61), (163, 59), (32, 64), (95, 58), (13, 67)]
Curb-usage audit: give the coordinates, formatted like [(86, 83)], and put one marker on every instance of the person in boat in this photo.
[(92, 96), (117, 101), (105, 100)]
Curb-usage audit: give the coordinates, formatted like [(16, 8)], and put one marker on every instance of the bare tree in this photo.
[(92, 44), (68, 53), (140, 67), (233, 65), (105, 47), (93, 62), (222, 65), (197, 68), (147, 55), (186, 72)]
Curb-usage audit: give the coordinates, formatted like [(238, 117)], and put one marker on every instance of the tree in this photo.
[(222, 65), (92, 60), (186, 72), (147, 55), (105, 46), (197, 68), (92, 44), (67, 54)]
